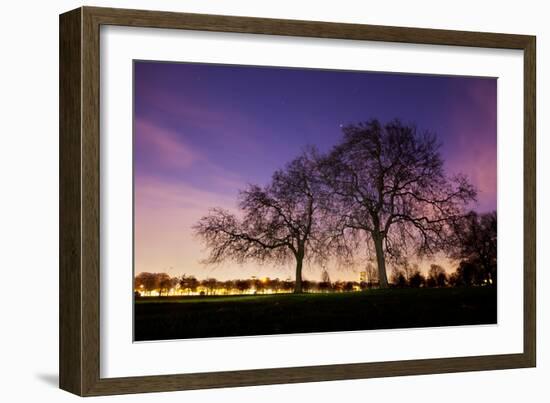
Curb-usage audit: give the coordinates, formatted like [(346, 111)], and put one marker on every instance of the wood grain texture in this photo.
[(90, 202), (317, 29), (80, 200), (70, 274), (305, 374), (530, 202)]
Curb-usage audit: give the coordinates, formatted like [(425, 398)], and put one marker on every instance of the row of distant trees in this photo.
[(381, 191), (467, 274), (161, 283)]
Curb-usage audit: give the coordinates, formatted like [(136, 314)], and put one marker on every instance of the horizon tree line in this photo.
[(405, 276), (381, 190)]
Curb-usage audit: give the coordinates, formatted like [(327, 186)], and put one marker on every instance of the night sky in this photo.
[(201, 132)]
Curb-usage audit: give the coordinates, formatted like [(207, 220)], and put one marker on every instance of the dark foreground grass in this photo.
[(192, 317)]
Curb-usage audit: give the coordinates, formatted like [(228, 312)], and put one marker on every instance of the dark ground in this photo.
[(193, 317)]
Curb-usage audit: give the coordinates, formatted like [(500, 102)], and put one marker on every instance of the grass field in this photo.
[(193, 317)]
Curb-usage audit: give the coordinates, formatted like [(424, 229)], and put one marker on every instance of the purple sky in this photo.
[(204, 131)]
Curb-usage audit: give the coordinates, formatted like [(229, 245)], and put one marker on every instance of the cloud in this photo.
[(157, 194), (163, 152), (233, 125), (479, 163), (163, 145), (472, 140)]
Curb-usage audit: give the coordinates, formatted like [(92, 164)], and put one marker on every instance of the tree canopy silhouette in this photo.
[(281, 222), (477, 243), (390, 189)]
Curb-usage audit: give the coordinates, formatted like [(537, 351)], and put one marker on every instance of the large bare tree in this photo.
[(280, 222), (391, 190)]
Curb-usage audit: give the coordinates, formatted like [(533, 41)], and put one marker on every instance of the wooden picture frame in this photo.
[(79, 346)]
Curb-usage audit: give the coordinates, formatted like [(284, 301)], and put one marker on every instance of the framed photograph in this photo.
[(276, 201)]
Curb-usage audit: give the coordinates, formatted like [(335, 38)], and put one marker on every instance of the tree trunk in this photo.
[(298, 282), (381, 260)]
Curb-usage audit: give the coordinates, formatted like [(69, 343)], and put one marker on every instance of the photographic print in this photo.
[(276, 200)]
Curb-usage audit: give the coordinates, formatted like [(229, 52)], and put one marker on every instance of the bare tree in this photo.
[(325, 284), (242, 285), (146, 282), (372, 274), (210, 284), (275, 285), (188, 283), (398, 277), (437, 277), (417, 280), (229, 286), (164, 282), (281, 221), (477, 243), (408, 269), (391, 189)]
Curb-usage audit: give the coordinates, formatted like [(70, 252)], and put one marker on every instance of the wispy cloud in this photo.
[(472, 139), (230, 123), (163, 153), (152, 193), (480, 166), (163, 145)]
